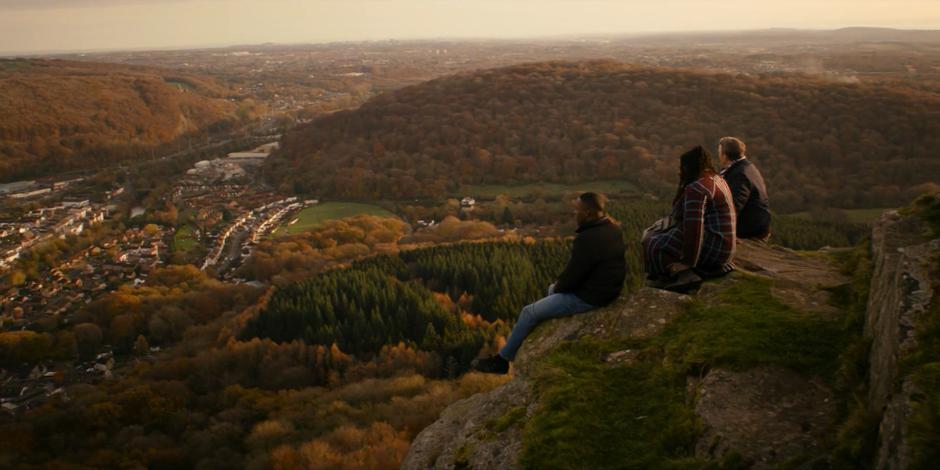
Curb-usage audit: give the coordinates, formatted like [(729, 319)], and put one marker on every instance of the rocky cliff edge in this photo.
[(765, 415)]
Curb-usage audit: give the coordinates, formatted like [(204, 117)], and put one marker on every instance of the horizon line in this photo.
[(570, 36)]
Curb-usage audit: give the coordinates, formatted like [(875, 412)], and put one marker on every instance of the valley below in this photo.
[(294, 256)]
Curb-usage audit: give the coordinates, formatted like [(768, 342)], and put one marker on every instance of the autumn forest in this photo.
[(822, 143), (318, 306)]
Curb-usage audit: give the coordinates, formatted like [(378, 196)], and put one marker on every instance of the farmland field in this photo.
[(313, 216)]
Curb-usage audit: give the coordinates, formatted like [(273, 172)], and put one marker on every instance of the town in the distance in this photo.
[(293, 256)]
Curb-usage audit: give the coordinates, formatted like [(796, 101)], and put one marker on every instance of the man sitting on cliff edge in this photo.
[(747, 188), (593, 278)]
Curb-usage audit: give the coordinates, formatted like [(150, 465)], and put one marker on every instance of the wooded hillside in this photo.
[(58, 115), (818, 142)]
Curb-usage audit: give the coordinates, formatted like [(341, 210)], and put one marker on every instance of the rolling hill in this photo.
[(60, 115), (818, 141)]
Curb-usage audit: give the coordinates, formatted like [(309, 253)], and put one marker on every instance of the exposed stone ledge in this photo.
[(765, 415), (900, 291), (464, 437)]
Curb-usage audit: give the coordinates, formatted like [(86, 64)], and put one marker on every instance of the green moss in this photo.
[(749, 327), (856, 439), (595, 415), (462, 456), (927, 207), (509, 419)]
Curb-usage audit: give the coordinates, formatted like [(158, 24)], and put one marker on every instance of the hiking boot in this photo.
[(684, 282), (494, 364), (708, 274)]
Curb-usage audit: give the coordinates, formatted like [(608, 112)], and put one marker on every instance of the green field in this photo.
[(530, 189), (855, 216), (313, 216), (14, 64), (184, 239), (179, 84)]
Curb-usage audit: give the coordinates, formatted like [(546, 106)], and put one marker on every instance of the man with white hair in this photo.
[(748, 189)]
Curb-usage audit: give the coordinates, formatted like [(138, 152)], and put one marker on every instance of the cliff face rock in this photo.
[(481, 432), (764, 415), (761, 408), (641, 315), (901, 290), (476, 432), (768, 415)]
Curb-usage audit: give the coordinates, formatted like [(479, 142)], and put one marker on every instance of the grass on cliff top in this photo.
[(594, 415), (749, 327), (927, 207)]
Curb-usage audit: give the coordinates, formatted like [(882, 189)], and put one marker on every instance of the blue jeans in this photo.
[(554, 306)]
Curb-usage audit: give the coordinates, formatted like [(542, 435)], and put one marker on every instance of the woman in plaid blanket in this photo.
[(699, 238)]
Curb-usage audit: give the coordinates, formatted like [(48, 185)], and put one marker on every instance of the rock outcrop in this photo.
[(765, 415), (901, 290), (769, 415)]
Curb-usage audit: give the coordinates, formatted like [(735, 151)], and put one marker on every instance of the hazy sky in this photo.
[(54, 25)]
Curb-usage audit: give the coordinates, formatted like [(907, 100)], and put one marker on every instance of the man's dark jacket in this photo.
[(597, 269), (750, 199)]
